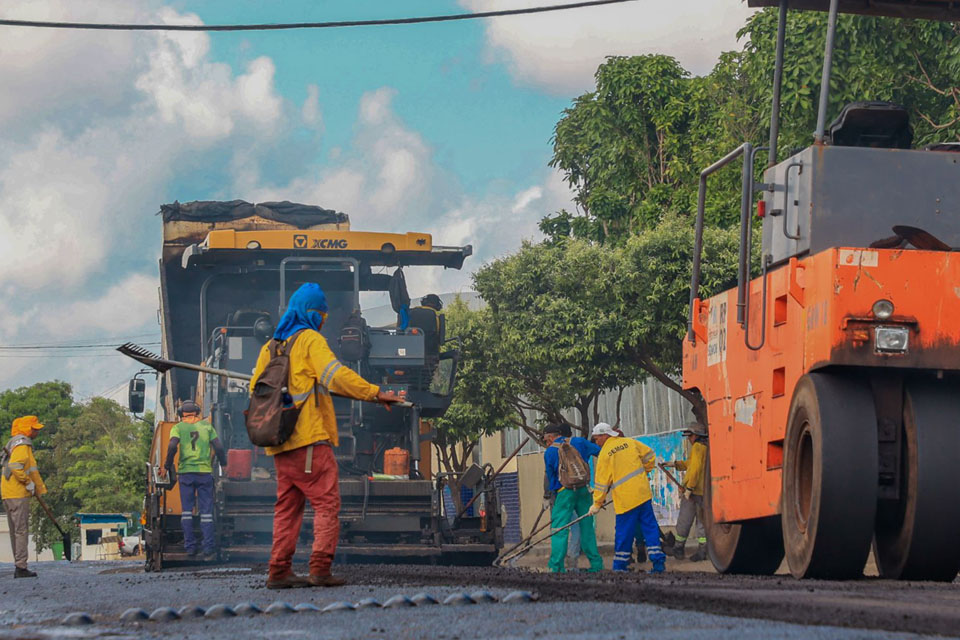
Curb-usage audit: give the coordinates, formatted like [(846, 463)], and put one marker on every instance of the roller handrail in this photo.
[(743, 149), (746, 249), (786, 199)]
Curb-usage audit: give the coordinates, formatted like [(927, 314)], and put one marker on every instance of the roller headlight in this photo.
[(882, 309), (253, 244), (892, 339)]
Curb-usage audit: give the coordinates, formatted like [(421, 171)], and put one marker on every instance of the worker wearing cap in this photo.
[(691, 504), (622, 468), (565, 503), (305, 463), (21, 480), (195, 438)]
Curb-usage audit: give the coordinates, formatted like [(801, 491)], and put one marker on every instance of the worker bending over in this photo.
[(21, 480), (622, 468), (195, 438), (567, 501), (691, 504), (305, 464)]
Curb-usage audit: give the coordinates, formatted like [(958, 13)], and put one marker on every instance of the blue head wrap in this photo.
[(303, 311)]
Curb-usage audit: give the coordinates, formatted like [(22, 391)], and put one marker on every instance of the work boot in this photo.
[(658, 565), (288, 581), (192, 553), (700, 555), (668, 540), (210, 556), (24, 573), (680, 549), (326, 580)]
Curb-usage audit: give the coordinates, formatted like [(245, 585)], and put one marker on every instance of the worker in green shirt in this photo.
[(195, 438)]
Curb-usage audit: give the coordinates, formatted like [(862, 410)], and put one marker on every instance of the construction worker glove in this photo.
[(32, 488), (687, 494), (594, 510)]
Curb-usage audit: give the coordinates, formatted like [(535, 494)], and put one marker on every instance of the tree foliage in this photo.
[(632, 148), (552, 333), (479, 406), (575, 319)]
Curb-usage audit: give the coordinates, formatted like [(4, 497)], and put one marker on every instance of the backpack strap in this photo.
[(278, 347)]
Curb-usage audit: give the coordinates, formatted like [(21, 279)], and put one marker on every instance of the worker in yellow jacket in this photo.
[(21, 480), (622, 468), (305, 464), (691, 504)]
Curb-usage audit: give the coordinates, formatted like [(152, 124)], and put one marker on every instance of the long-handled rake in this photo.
[(162, 365)]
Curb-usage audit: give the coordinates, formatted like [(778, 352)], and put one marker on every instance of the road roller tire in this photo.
[(754, 547), (918, 536), (829, 496)]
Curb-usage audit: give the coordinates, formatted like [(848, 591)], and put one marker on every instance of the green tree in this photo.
[(632, 148), (915, 63), (575, 319), (49, 401), (106, 464), (555, 332), (652, 287), (480, 406), (623, 147)]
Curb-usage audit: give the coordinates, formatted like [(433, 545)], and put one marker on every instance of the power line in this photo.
[(47, 356), (305, 25), (54, 347), (115, 341)]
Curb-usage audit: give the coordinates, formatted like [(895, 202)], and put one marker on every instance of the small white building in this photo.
[(100, 535)]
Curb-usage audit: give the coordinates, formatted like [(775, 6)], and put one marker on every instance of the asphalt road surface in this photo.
[(576, 605)]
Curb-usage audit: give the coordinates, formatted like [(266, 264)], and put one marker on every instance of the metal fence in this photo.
[(646, 408)]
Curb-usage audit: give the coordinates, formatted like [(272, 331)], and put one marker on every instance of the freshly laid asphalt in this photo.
[(575, 605)]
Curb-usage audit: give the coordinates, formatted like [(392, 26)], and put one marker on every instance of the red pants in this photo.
[(294, 485)]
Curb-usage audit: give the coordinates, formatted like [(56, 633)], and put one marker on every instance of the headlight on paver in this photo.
[(882, 309), (892, 339)]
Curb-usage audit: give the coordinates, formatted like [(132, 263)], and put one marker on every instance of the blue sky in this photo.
[(441, 128), (484, 126)]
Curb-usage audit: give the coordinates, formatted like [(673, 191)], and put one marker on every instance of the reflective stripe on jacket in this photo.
[(23, 471), (622, 468), (694, 466), (313, 363)]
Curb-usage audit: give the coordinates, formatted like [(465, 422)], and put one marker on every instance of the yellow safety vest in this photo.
[(694, 465), (622, 468)]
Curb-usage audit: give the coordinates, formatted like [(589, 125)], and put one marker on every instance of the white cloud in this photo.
[(68, 74), (561, 51), (89, 151), (388, 171), (122, 309), (389, 180), (310, 112), (203, 97)]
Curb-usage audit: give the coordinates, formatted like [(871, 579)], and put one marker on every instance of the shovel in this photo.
[(67, 547)]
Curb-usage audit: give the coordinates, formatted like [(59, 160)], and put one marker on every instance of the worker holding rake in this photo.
[(622, 468)]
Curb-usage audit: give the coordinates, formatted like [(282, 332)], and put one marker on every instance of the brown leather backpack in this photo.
[(272, 414), (573, 472)]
